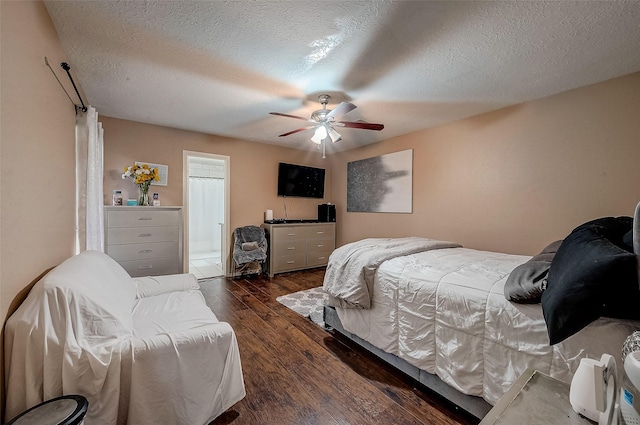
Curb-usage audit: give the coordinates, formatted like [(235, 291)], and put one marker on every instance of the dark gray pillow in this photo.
[(627, 241), (527, 282)]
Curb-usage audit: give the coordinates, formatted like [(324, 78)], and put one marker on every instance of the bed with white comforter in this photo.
[(443, 310)]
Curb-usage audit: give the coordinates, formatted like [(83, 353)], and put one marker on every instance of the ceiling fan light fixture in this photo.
[(319, 135), (334, 135)]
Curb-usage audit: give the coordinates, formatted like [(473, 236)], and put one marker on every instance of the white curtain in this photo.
[(206, 213), (89, 182)]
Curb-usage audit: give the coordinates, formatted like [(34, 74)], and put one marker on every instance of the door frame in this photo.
[(224, 243)]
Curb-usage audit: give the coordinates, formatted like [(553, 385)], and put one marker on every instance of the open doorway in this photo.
[(206, 183)]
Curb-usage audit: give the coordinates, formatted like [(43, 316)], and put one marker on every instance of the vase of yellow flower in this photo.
[(144, 194), (142, 175)]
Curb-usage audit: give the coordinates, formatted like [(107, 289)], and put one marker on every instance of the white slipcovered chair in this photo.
[(142, 351)]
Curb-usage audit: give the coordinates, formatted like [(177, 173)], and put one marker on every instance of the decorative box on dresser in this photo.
[(297, 246), (146, 241)]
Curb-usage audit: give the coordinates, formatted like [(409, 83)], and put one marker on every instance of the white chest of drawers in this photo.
[(146, 241), (297, 246)]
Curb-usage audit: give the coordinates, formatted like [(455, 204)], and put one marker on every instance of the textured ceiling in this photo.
[(220, 67)]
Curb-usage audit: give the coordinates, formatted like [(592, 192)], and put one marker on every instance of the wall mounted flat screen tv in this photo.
[(300, 181)]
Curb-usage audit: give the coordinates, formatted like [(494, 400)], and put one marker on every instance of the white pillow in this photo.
[(154, 285)]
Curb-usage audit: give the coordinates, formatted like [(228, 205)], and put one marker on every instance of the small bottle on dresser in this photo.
[(117, 198), (156, 201)]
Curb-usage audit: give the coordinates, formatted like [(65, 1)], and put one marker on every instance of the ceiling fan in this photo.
[(325, 120)]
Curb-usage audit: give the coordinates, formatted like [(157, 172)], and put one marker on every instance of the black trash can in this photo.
[(65, 410)]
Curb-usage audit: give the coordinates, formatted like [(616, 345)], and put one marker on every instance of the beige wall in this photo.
[(512, 180), (37, 176), (515, 179), (254, 168)]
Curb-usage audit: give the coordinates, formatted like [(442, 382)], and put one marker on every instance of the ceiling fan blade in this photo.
[(290, 116), (342, 109), (298, 130), (361, 125)]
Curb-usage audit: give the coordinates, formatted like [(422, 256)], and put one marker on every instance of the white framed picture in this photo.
[(381, 184), (163, 172)]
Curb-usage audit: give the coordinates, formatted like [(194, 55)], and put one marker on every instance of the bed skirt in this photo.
[(476, 406)]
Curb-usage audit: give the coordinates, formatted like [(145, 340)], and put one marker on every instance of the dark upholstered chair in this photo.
[(249, 250)]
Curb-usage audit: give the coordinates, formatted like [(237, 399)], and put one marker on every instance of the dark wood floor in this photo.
[(297, 373)]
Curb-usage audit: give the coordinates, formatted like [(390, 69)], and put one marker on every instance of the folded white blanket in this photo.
[(349, 276)]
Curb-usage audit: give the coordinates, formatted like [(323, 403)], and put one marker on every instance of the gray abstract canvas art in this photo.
[(381, 184)]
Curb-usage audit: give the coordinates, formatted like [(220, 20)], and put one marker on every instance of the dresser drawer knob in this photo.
[(290, 262), (145, 218), (145, 267), (320, 232), (321, 258), (145, 251), (291, 248), (320, 245), (291, 234), (144, 235)]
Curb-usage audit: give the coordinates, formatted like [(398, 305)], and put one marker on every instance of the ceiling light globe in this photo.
[(319, 135)]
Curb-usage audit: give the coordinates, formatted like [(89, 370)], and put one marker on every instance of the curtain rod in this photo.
[(66, 67)]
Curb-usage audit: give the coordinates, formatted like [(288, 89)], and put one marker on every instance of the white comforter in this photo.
[(444, 311), (352, 267)]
